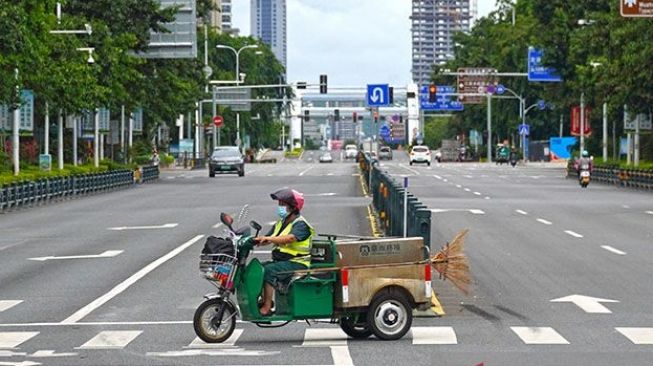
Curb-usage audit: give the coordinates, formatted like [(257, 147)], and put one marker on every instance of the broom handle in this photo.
[(334, 269)]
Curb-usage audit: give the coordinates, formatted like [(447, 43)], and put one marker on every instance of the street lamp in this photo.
[(237, 53)]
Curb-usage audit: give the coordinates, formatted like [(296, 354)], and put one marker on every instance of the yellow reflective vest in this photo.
[(299, 250)]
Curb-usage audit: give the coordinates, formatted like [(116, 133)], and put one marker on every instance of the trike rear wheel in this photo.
[(390, 315), (356, 327), (208, 327)]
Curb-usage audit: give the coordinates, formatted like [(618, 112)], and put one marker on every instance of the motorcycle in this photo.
[(361, 301), (584, 178)]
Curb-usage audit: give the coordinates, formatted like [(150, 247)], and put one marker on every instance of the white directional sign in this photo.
[(107, 254), (587, 303)]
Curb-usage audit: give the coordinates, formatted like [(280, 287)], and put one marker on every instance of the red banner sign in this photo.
[(575, 121)]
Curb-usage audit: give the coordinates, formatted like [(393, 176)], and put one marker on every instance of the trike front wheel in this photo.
[(211, 328)]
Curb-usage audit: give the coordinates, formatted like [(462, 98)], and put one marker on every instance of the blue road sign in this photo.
[(378, 95), (384, 131), (538, 72), (541, 104), (443, 101), (524, 130), (500, 89)]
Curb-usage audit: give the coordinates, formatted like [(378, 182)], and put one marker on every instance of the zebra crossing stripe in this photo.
[(434, 335), (637, 335), (324, 337), (111, 339), (8, 304), (13, 339), (539, 335), (230, 342)]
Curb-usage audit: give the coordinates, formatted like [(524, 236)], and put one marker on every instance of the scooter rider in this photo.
[(291, 236), (584, 163)]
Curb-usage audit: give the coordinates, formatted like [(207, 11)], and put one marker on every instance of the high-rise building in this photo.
[(215, 16), (227, 17), (268, 23), (434, 22)]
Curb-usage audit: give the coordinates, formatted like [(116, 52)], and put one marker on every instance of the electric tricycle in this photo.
[(367, 286)]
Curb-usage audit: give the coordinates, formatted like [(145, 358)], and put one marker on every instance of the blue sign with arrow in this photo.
[(443, 101), (378, 95), (384, 131), (537, 71), (524, 130)]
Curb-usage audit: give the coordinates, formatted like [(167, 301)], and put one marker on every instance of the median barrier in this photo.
[(621, 177)]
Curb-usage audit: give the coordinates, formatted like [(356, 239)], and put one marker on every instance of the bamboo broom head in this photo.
[(451, 263)]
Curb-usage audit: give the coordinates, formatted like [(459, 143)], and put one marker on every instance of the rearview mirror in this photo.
[(255, 225), (227, 220)]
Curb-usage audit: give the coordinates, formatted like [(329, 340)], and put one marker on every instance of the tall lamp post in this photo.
[(238, 79)]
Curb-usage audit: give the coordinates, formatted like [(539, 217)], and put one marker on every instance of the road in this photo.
[(535, 237)]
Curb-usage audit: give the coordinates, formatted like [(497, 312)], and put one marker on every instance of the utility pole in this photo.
[(96, 138), (75, 121), (605, 132), (122, 133), (60, 139), (628, 138), (15, 133), (582, 123), (489, 128), (46, 143), (638, 122)]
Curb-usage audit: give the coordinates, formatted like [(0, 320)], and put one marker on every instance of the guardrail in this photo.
[(627, 178), (388, 200), (43, 191)]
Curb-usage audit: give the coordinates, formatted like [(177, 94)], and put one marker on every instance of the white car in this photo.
[(326, 157), (420, 154), (351, 151)]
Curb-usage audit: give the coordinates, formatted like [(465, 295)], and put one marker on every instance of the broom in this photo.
[(451, 263)]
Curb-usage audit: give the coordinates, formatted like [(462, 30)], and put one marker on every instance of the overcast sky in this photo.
[(354, 42)]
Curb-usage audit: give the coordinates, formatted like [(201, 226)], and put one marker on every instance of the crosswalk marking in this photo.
[(539, 335), (324, 337), (434, 335), (110, 339), (637, 335), (341, 356), (230, 342), (8, 304), (13, 339)]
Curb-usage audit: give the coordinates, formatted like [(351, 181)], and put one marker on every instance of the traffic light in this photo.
[(433, 90), (376, 116), (354, 117), (336, 114), (323, 84), (307, 116), (392, 95)]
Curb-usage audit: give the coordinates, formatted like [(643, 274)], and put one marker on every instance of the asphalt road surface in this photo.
[(112, 279)]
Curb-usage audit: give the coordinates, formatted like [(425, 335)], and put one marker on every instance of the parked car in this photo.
[(326, 157), (385, 153), (420, 154), (351, 151), (227, 159)]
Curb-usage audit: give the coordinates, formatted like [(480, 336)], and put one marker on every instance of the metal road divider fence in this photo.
[(613, 174), (388, 201), (43, 191)]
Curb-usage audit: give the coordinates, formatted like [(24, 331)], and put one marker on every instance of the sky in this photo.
[(354, 42)]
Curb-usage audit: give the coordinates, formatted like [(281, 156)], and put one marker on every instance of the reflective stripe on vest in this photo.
[(300, 250)]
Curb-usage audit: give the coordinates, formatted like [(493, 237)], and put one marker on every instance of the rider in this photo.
[(584, 163), (291, 236)]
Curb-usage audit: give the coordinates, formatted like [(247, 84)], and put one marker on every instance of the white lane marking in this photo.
[(545, 222), (522, 212), (477, 212), (477, 193), (81, 313), (23, 363), (8, 304), (153, 227), (305, 171), (458, 186), (637, 335), (13, 339), (467, 190), (410, 169), (613, 250), (444, 180), (588, 304), (473, 211), (487, 197), (270, 175), (111, 339), (230, 342), (95, 324), (229, 352), (574, 234), (434, 335), (323, 337), (51, 353), (217, 225), (649, 212), (437, 176), (341, 356), (320, 194), (106, 254), (539, 335), (625, 206)]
